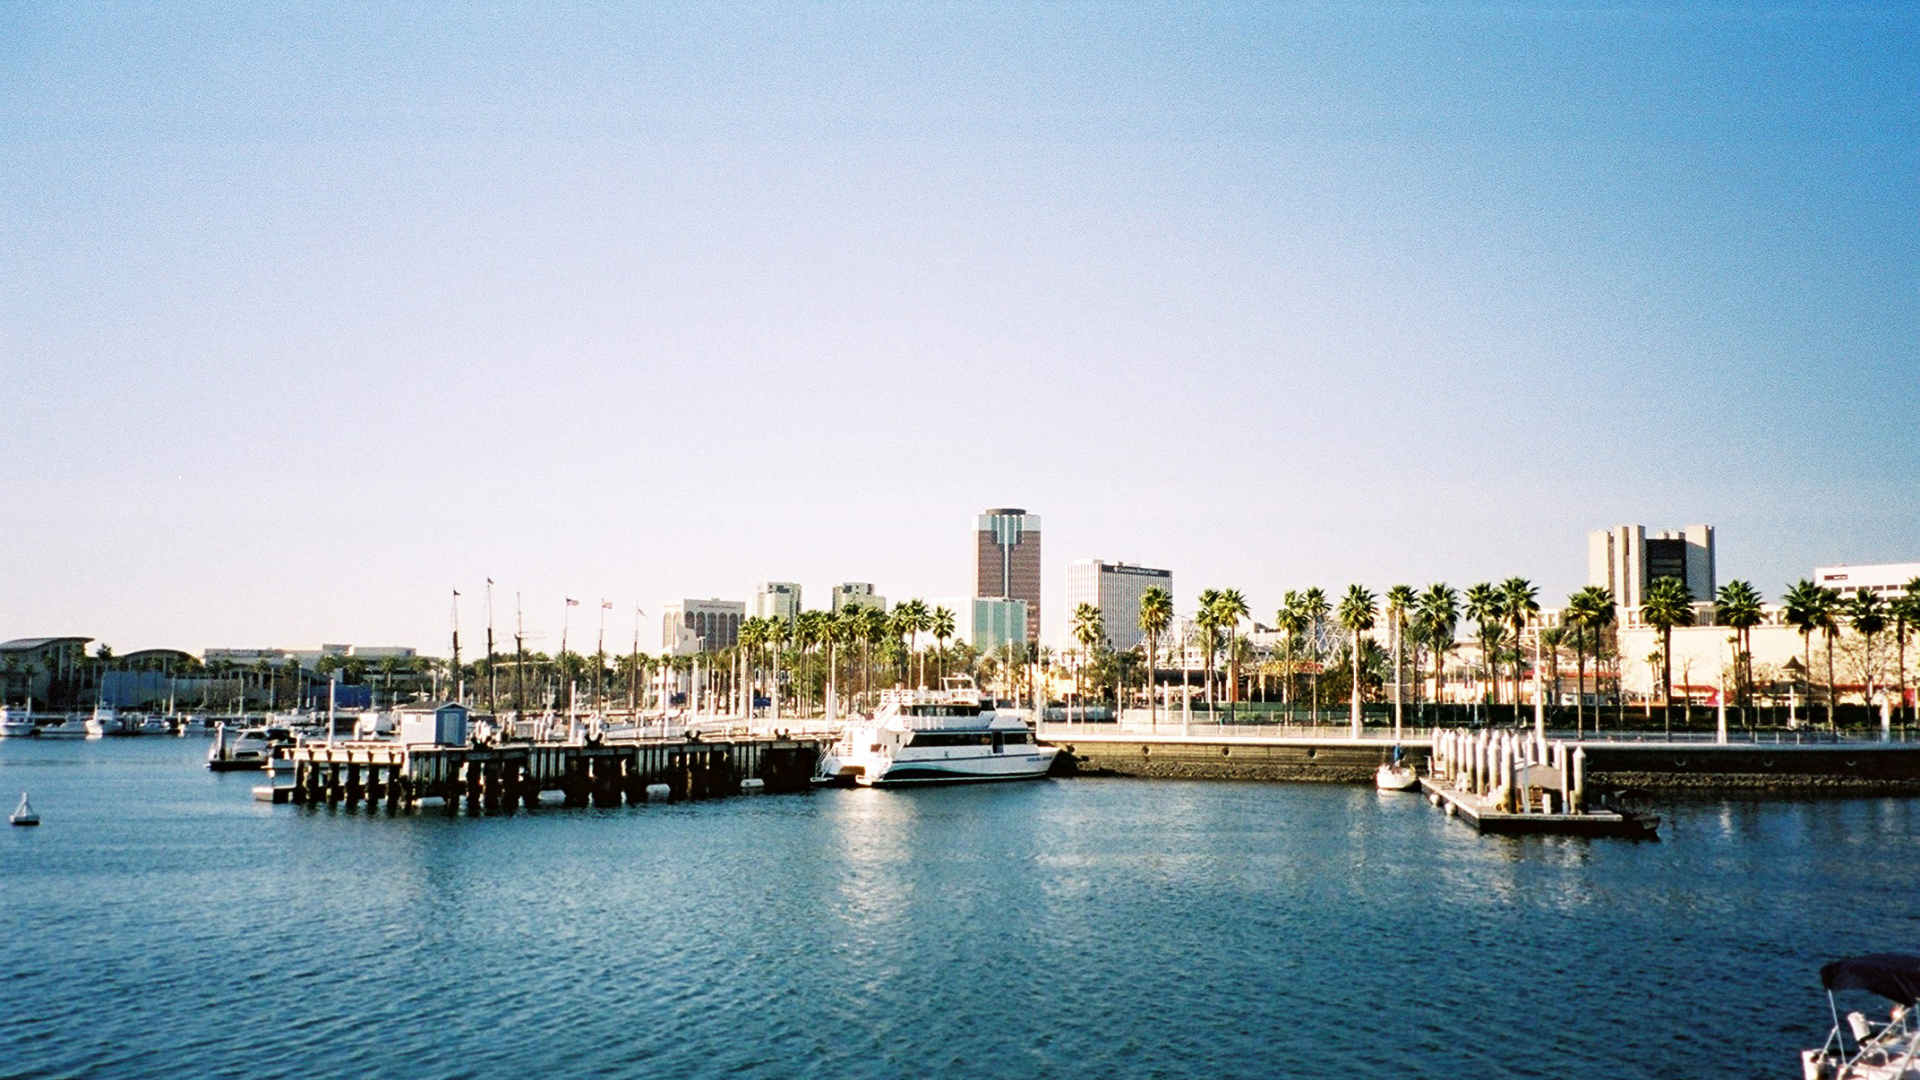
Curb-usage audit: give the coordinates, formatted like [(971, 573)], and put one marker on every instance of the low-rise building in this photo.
[(697, 626), (857, 592)]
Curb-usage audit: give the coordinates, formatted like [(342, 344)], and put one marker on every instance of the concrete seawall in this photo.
[(1860, 767)]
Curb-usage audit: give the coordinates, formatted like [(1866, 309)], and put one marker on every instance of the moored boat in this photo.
[(1396, 775), (924, 737), (16, 723), (250, 748), (1889, 1051)]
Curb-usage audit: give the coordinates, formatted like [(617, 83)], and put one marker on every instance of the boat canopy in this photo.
[(1894, 976)]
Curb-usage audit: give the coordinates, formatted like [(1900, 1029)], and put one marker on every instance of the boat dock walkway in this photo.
[(500, 779), (1508, 783)]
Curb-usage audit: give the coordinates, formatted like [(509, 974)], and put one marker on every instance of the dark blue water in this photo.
[(161, 923)]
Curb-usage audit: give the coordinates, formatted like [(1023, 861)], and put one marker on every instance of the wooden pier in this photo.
[(511, 776)]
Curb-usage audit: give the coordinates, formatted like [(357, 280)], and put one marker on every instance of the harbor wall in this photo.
[(1854, 767)]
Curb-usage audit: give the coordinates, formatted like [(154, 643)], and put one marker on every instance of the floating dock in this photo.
[(511, 776), (1516, 784)]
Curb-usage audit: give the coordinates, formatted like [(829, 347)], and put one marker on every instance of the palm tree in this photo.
[(1906, 615), (1588, 611), (1400, 600), (1868, 617), (1439, 618), (753, 635), (1737, 607), (1357, 611), (941, 624), (1089, 632), (1802, 605), (1668, 604), (1291, 621), (916, 619), (1315, 606), (1208, 620), (1519, 602), (1232, 607), (1484, 608), (1156, 614)]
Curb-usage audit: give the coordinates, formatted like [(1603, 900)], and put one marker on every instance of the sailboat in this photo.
[(23, 814)]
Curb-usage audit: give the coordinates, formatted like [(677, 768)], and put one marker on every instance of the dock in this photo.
[(1506, 783), (503, 778)]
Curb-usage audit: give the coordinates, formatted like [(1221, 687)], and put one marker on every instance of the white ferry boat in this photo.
[(923, 737)]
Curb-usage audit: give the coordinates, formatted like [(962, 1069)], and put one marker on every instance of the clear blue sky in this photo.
[(309, 314)]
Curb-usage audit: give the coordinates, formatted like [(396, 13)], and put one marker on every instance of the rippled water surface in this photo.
[(161, 924)]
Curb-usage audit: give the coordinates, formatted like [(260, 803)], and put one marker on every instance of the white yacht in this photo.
[(250, 748), (16, 723), (104, 721), (1889, 1051), (923, 737)]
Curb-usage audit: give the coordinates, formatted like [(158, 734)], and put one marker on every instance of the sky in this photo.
[(311, 314)]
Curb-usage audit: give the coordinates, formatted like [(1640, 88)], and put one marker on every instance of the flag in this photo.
[(607, 604), (571, 602), (456, 592), (489, 581)]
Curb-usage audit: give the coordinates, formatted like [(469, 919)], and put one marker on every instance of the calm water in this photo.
[(161, 923)]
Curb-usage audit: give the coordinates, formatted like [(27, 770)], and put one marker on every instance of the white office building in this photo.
[(696, 626), (986, 622), (1114, 588), (777, 600), (857, 592), (1886, 579)]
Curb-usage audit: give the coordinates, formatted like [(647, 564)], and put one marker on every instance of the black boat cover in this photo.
[(1894, 976)]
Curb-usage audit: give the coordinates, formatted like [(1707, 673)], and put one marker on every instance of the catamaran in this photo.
[(1889, 1051), (933, 737)]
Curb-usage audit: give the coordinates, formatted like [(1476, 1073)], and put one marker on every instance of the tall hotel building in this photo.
[(1114, 588), (1627, 560), (1006, 560)]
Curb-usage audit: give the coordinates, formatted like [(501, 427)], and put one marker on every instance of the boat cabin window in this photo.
[(951, 738), (943, 710)]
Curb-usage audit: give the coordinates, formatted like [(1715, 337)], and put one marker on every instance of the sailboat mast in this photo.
[(633, 670), (490, 676), (453, 673), (519, 658)]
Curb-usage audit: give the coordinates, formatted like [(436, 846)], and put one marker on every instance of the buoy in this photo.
[(23, 814), (659, 793), (752, 786)]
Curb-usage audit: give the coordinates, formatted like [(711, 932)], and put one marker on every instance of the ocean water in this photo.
[(161, 924)]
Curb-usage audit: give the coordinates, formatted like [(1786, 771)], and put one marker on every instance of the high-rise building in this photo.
[(696, 626), (857, 592), (1626, 560), (777, 600), (1006, 560), (1114, 588)]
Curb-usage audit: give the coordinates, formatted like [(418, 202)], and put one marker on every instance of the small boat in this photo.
[(23, 814), (69, 727), (1396, 775), (104, 721), (1889, 1051), (155, 725), (17, 724), (924, 737), (252, 748)]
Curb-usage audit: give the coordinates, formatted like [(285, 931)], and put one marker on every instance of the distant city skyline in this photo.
[(308, 318)]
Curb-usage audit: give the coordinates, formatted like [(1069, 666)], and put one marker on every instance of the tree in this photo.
[(1803, 609), (1668, 604), (1156, 614), (1089, 632), (1439, 618), (1869, 618), (1291, 621), (1590, 611), (916, 619), (1208, 620), (1231, 608), (1357, 611), (941, 624), (1519, 602), (1484, 608), (1316, 608), (1400, 600), (1737, 607), (1905, 612)]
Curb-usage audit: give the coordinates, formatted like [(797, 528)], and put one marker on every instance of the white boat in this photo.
[(16, 723), (250, 748), (70, 727), (1889, 1051), (1396, 775), (104, 721), (923, 737), (155, 725), (23, 814)]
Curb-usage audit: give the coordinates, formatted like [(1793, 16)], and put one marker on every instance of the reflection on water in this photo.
[(161, 923)]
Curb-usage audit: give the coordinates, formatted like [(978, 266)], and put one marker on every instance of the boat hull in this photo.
[(1392, 778)]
